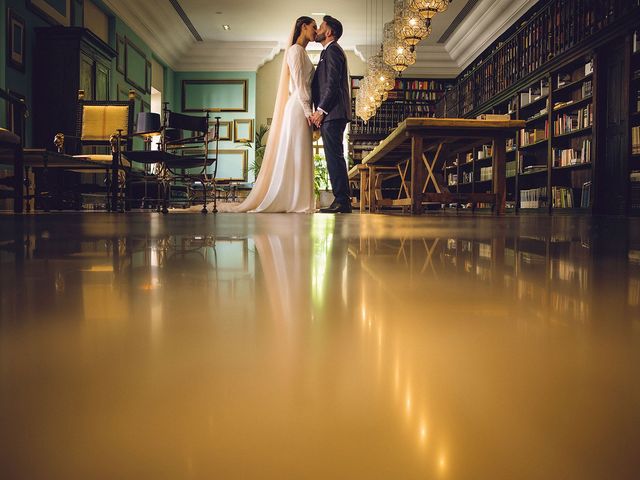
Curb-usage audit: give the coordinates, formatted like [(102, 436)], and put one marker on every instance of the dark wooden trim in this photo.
[(120, 54)]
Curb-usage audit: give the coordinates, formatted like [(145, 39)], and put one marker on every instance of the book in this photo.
[(585, 197), (588, 68), (493, 116)]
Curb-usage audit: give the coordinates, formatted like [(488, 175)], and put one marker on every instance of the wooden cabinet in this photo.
[(67, 59)]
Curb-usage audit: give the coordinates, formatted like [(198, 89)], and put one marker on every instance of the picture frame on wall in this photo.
[(243, 130), (120, 59), (14, 123), (225, 131), (16, 48), (56, 12), (233, 165), (215, 96)]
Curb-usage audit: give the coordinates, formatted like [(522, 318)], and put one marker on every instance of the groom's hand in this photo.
[(310, 120), (317, 118)]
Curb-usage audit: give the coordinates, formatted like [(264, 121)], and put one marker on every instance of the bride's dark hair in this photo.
[(299, 23)]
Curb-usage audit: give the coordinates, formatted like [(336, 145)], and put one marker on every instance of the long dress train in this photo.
[(285, 181)]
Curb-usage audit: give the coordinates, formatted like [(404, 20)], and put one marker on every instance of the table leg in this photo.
[(363, 190), (418, 175), (372, 190), (499, 173)]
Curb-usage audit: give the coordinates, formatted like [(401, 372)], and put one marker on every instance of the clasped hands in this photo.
[(316, 119)]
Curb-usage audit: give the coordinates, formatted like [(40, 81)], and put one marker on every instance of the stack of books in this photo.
[(634, 177), (533, 198), (562, 197)]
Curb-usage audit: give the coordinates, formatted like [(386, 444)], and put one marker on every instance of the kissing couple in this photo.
[(285, 181)]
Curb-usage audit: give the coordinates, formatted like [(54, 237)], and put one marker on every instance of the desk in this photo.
[(45, 159), (417, 150)]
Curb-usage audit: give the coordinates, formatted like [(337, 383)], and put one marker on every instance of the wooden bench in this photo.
[(416, 151)]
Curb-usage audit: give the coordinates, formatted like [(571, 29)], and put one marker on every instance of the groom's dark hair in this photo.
[(335, 26)]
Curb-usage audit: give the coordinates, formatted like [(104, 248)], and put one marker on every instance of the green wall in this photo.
[(178, 77), (3, 49)]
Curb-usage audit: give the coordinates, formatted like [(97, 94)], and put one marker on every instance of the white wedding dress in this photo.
[(285, 181)]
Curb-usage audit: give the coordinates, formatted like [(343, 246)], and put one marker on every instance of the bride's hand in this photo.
[(309, 121)]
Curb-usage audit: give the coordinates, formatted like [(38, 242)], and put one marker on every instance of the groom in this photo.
[(330, 91)]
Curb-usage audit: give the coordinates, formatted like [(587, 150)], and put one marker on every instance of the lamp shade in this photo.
[(148, 123)]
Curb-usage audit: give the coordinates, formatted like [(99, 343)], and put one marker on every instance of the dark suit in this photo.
[(330, 92)]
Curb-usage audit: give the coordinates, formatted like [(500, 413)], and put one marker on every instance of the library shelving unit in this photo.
[(555, 69), (634, 122), (411, 97)]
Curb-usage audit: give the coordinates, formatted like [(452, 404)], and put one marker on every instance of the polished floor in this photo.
[(319, 347)]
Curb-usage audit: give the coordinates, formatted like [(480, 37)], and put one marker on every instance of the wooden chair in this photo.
[(106, 126), (11, 147)]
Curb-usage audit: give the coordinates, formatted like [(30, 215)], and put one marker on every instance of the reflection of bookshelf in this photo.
[(411, 97)]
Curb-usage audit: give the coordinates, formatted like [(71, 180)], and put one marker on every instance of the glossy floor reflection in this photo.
[(319, 347)]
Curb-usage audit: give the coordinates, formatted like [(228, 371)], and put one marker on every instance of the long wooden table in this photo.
[(418, 148)]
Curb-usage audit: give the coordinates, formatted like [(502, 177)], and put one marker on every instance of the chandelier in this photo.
[(410, 27), (429, 8), (381, 73), (395, 52)]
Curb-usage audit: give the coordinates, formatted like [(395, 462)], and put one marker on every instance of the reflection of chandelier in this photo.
[(429, 8), (395, 52), (410, 27)]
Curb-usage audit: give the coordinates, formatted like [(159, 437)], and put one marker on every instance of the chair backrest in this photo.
[(180, 121), (97, 120)]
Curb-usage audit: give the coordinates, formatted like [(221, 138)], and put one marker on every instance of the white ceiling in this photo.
[(259, 29)]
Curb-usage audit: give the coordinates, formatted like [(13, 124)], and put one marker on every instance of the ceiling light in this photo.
[(226, 27)]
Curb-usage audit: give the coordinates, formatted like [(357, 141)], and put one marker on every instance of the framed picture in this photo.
[(135, 65), (53, 11), (225, 129), (16, 50), (233, 165), (243, 130), (120, 59), (215, 96)]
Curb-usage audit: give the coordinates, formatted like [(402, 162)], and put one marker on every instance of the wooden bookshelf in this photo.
[(634, 124), (411, 97), (548, 63)]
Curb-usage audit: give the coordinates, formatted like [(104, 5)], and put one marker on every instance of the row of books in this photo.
[(467, 177), (452, 179), (486, 173), (511, 168), (531, 136), (533, 198), (635, 140), (569, 122), (634, 178), (562, 197), (403, 84), (563, 157), (422, 96), (485, 152)]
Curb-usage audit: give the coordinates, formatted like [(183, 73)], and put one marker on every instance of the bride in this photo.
[(285, 181)]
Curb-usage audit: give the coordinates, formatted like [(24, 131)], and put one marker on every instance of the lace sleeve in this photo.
[(295, 59)]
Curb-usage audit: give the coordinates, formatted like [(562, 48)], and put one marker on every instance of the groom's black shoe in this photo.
[(336, 207)]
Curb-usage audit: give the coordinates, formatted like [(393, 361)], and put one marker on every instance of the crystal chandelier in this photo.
[(429, 8), (381, 73), (395, 52), (410, 27)]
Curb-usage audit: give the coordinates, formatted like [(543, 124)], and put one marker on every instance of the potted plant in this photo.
[(260, 145), (324, 196)]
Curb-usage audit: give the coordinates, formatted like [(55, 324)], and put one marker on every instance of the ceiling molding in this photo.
[(160, 26), (482, 27)]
